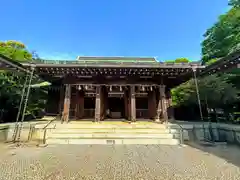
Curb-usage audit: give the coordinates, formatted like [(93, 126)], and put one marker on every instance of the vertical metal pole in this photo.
[(198, 99), (198, 96), (26, 102), (20, 109)]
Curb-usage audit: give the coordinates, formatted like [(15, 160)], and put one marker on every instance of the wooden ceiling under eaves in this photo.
[(122, 70)]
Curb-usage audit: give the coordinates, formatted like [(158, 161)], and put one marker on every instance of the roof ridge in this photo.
[(117, 58)]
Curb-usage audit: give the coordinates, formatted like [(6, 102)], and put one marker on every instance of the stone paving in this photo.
[(118, 162)]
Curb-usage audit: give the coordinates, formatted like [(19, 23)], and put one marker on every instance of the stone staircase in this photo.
[(110, 133)]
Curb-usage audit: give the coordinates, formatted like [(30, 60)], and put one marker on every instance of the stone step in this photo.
[(106, 126), (110, 135), (113, 141), (110, 130)]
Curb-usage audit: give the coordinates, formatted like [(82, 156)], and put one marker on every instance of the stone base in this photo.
[(114, 141), (112, 133)]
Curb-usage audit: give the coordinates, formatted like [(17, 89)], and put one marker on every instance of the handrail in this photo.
[(45, 128), (181, 133), (32, 126), (50, 121)]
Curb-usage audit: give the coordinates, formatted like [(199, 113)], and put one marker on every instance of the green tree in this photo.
[(182, 60), (178, 60), (223, 37), (218, 91), (11, 83), (215, 90), (234, 3), (15, 50)]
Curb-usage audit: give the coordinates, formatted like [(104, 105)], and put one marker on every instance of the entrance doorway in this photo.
[(116, 108), (89, 107), (142, 108)]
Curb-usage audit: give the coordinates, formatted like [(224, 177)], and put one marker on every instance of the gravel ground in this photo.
[(145, 162)]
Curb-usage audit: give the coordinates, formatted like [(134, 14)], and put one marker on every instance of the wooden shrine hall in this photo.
[(104, 88), (100, 88), (128, 88)]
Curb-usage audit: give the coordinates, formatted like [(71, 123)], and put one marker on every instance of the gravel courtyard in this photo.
[(145, 162)]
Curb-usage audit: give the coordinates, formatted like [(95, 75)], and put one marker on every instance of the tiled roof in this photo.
[(89, 59)]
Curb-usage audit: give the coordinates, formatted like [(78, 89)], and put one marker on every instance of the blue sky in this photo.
[(60, 29)]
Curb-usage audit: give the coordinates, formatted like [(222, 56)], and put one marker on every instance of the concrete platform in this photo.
[(113, 141), (114, 132), (81, 135)]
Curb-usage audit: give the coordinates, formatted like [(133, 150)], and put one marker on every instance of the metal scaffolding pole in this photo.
[(198, 99), (198, 95), (25, 102), (20, 109)]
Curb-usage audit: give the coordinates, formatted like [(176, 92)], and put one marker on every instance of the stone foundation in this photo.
[(191, 131)]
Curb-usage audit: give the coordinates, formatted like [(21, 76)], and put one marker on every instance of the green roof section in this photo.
[(94, 59)]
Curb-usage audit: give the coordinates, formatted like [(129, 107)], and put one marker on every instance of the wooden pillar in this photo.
[(61, 100), (152, 104), (80, 104), (158, 106), (102, 101), (129, 103), (98, 104), (74, 100), (170, 106), (106, 102), (67, 102), (154, 101), (163, 102), (133, 103), (126, 106)]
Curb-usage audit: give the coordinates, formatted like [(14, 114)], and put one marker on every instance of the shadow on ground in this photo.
[(231, 153)]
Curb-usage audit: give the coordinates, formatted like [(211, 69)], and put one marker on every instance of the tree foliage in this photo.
[(182, 60), (215, 90), (11, 84), (178, 60), (211, 61), (224, 36), (15, 50), (234, 3)]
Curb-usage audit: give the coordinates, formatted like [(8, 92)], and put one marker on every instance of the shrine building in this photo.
[(108, 88), (105, 88)]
